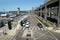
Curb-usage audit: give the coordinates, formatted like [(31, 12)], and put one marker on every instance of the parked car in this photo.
[(39, 25)]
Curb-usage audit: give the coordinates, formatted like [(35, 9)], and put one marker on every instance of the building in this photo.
[(3, 15)]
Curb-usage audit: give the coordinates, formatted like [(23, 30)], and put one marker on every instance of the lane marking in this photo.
[(53, 35), (49, 31), (42, 35), (45, 34)]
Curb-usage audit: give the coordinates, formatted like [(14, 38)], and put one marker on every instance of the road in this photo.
[(35, 32), (40, 34), (10, 33)]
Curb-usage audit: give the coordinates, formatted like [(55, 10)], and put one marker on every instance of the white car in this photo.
[(27, 25), (27, 22), (23, 24)]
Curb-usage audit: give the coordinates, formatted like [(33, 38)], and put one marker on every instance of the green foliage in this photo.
[(15, 24), (42, 22)]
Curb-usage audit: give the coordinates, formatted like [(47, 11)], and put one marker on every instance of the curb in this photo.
[(12, 33), (40, 20), (49, 28)]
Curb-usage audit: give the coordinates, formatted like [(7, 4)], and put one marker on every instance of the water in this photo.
[(2, 13)]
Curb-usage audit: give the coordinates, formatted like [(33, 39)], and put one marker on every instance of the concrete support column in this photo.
[(49, 12), (59, 15), (46, 14), (41, 13), (38, 13)]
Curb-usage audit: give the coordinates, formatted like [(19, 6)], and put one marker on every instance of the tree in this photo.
[(9, 25)]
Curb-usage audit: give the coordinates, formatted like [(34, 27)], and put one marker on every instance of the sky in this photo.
[(12, 5)]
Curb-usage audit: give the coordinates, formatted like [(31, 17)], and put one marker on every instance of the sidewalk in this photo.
[(52, 26), (11, 33), (52, 29)]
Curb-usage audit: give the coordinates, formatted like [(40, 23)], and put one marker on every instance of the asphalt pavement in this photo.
[(37, 33)]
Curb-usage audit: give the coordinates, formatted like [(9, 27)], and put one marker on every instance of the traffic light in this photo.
[(9, 24)]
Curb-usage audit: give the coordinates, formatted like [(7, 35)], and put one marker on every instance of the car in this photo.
[(39, 25), (28, 35), (27, 25), (26, 21), (23, 24)]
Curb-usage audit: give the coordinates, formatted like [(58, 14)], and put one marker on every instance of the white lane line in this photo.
[(42, 35), (53, 35), (50, 37), (50, 32), (45, 34)]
